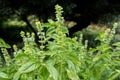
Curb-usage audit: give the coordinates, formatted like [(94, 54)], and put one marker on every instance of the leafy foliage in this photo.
[(59, 57)]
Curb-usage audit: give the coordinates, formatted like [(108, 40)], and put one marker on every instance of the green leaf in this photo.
[(54, 36), (52, 45), (74, 59), (51, 21), (3, 75), (118, 71), (16, 76), (104, 47), (4, 44), (72, 75), (116, 44), (114, 75), (71, 66), (72, 71), (52, 70), (69, 40), (47, 25), (50, 31), (21, 55), (28, 67), (96, 58), (64, 29)]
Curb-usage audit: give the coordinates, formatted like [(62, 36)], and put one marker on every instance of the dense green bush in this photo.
[(59, 57)]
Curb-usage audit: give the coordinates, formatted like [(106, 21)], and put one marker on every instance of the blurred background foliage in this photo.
[(96, 15)]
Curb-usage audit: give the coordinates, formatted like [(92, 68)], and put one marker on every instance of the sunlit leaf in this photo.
[(47, 25), (51, 22), (4, 44), (52, 70), (116, 44), (64, 30), (54, 36), (71, 66), (50, 31), (28, 67), (114, 75), (72, 75), (3, 75), (16, 76), (73, 58)]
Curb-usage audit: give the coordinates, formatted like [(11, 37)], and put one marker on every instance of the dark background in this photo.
[(83, 12)]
